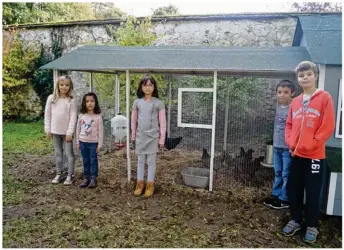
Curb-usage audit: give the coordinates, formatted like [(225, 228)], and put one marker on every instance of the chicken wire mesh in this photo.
[(240, 136)]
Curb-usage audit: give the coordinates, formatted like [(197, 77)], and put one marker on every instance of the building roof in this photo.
[(183, 60), (323, 37)]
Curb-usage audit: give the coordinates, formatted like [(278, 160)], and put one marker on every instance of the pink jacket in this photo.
[(60, 117)]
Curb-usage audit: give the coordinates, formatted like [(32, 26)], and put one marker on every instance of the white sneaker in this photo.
[(56, 179), (69, 180)]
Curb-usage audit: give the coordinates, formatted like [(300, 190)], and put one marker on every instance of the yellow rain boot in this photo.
[(139, 188), (149, 189)]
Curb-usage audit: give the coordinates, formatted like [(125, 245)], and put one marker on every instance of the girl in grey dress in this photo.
[(148, 127)]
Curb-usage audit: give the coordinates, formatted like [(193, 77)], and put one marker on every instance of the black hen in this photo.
[(171, 143), (242, 152), (247, 154), (218, 160)]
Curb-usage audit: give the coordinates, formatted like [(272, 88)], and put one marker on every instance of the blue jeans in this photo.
[(282, 162), (89, 158)]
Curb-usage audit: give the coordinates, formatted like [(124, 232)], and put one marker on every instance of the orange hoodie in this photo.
[(307, 130)]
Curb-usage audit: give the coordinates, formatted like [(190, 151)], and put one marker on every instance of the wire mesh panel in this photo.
[(241, 135), (193, 107), (113, 158), (251, 104), (245, 110), (194, 96)]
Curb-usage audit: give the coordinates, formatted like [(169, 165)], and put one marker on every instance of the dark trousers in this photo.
[(305, 174), (89, 158)]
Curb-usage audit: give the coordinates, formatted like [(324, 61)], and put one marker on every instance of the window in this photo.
[(339, 112), (201, 117)]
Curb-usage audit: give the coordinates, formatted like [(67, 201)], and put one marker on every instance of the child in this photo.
[(309, 124), (89, 137), (282, 159), (148, 125), (59, 124)]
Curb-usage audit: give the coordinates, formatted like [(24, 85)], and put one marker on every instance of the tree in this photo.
[(132, 32), (135, 32), (38, 12), (317, 7), (106, 10), (169, 10), (42, 79), (19, 63), (14, 13)]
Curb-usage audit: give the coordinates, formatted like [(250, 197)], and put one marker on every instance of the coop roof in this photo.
[(192, 60), (323, 37)]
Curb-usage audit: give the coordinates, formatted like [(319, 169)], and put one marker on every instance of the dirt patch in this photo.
[(176, 216), (18, 211)]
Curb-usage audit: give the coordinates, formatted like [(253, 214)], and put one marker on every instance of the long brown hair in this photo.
[(56, 93), (97, 109), (142, 82)]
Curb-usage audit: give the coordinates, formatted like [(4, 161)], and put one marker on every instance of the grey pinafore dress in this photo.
[(147, 132)]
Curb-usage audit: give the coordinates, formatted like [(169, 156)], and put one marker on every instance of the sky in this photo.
[(192, 7)]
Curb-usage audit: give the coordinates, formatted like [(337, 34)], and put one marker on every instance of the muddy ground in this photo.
[(176, 216)]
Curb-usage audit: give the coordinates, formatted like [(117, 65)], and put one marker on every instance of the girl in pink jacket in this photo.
[(59, 124)]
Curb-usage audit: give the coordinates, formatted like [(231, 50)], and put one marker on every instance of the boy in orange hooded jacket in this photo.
[(309, 124)]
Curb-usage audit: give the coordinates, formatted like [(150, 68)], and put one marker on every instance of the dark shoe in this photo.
[(278, 204), (93, 183), (85, 183), (268, 201)]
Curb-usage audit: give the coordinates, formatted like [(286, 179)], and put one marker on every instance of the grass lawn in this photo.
[(25, 138), (20, 138)]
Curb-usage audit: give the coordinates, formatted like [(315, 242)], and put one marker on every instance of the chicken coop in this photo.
[(220, 104)]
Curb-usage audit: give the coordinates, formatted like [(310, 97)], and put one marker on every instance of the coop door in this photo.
[(195, 107)]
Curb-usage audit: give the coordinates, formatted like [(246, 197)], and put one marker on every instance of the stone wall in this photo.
[(265, 33), (230, 31)]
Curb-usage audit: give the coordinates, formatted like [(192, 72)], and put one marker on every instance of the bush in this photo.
[(20, 101), (42, 81)]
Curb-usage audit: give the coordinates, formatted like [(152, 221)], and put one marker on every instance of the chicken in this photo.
[(171, 143), (218, 160), (242, 152), (247, 154), (245, 166)]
